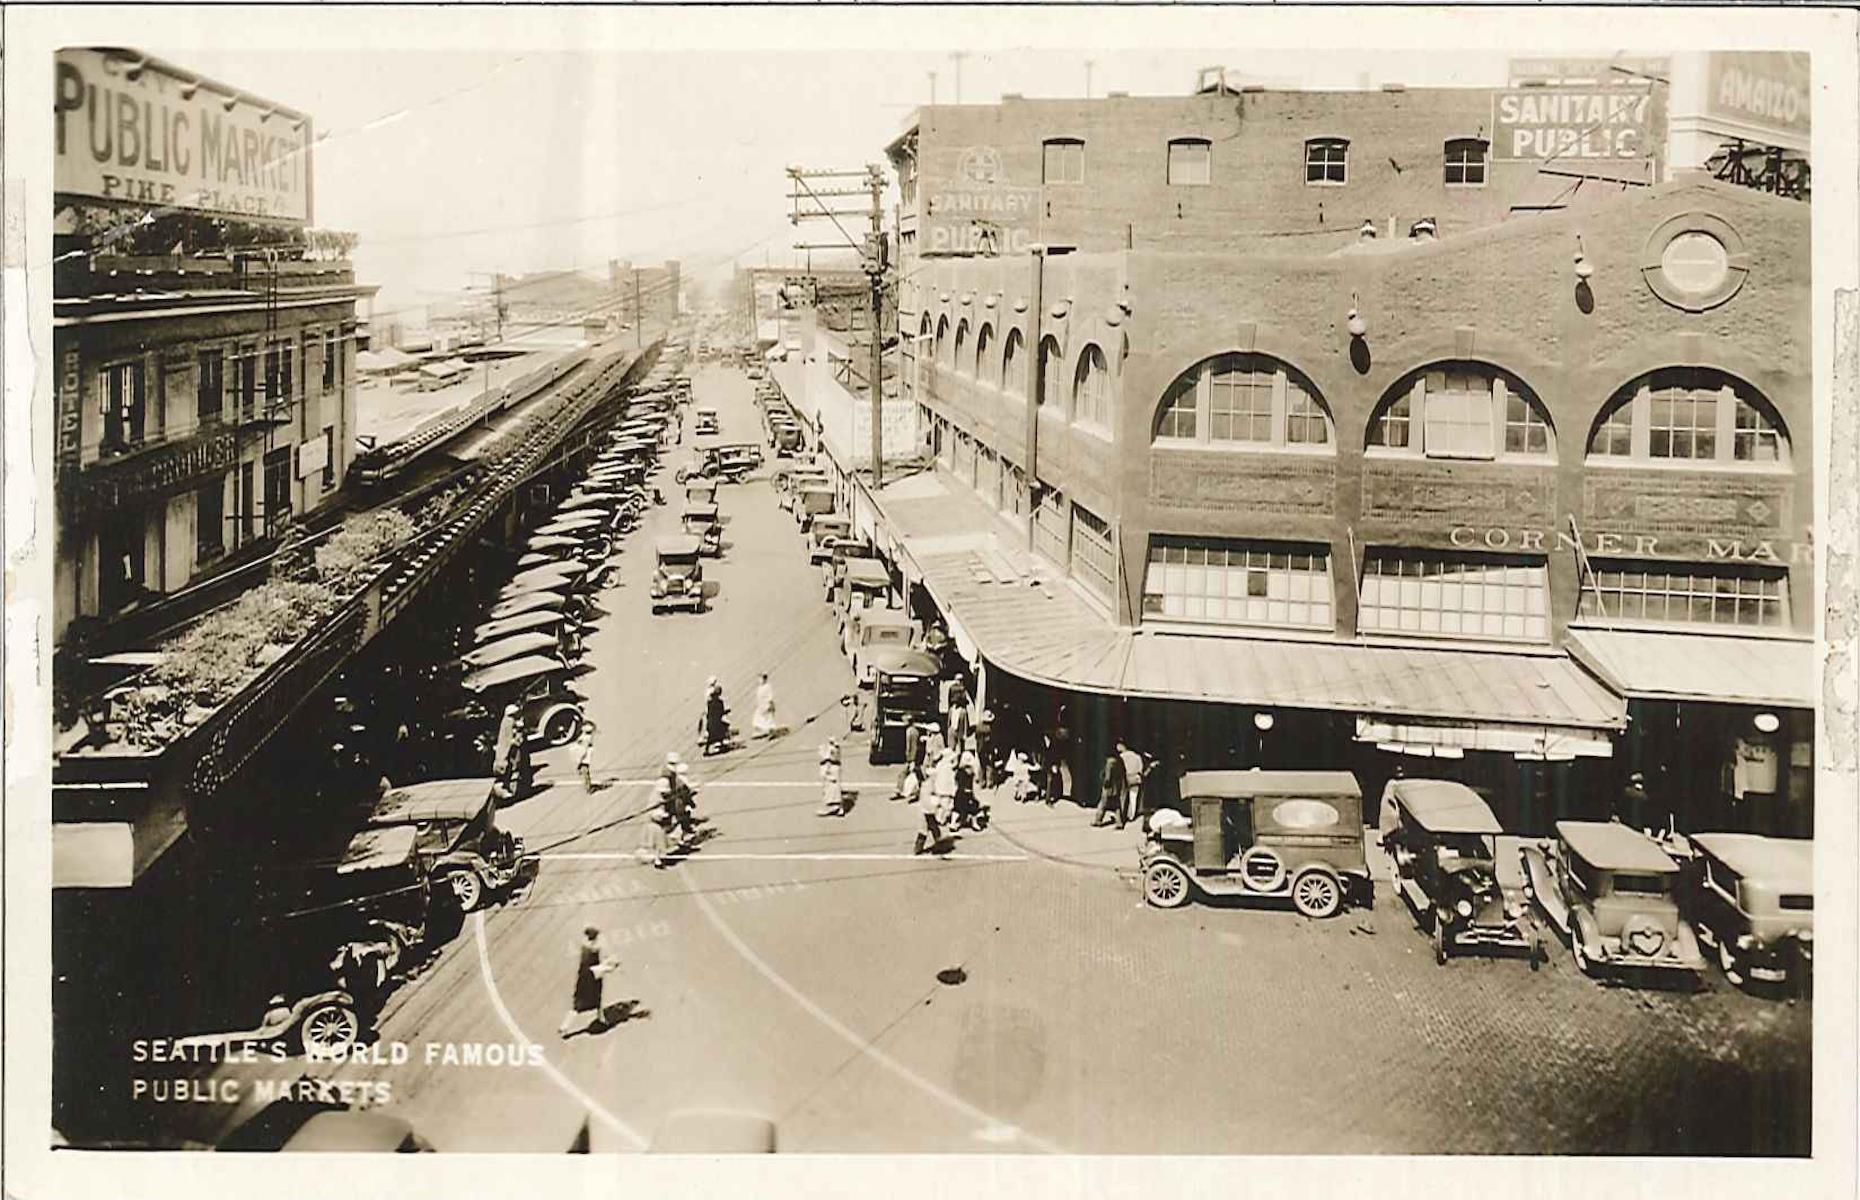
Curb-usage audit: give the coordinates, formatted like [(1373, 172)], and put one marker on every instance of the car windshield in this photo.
[(1464, 847), (677, 562), (1640, 885)]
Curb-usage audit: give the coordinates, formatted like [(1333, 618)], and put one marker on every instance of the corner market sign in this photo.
[(1580, 123)]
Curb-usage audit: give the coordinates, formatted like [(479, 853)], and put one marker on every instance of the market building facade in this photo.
[(1522, 489)]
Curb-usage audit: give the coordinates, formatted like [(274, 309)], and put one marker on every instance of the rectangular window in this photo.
[(1094, 559), (1458, 415), (1013, 491), (1191, 162), (1064, 161), (1465, 162), (1682, 423), (1685, 593), (1429, 594), (1178, 415), (210, 521), (247, 501), (1754, 439), (210, 387), (277, 490), (1525, 431), (329, 457), (1305, 424), (1238, 582), (1614, 437), (1326, 160), (1240, 406), (1395, 429), (1049, 526), (125, 406), (245, 383), (332, 355)]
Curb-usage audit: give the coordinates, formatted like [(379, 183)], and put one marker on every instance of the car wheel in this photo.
[(1165, 885), (1539, 956), (1317, 895), (1727, 962), (467, 889), (1583, 962), (561, 727), (1440, 942), (328, 1029)]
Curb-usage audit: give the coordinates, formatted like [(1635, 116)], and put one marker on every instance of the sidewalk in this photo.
[(1064, 833)]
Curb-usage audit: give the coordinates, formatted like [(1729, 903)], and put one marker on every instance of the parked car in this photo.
[(704, 420), (872, 628), (904, 693), (458, 839), (1442, 842), (1296, 834), (1611, 889), (677, 576), (1751, 899), (822, 532), (813, 501), (702, 522), (538, 685)]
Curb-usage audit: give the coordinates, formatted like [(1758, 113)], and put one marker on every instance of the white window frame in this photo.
[(1639, 406), (1282, 389), (1447, 164), (1093, 551), (1047, 145), (1497, 398), (1409, 594), (1095, 385), (1206, 162), (1207, 582), (1611, 581), (1327, 143)]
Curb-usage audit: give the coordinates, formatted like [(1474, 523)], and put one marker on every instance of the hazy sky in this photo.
[(451, 162)]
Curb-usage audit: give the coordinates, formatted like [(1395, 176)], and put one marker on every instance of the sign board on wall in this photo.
[(1579, 125), (976, 212), (129, 128), (312, 456), (1766, 91), (1618, 70)]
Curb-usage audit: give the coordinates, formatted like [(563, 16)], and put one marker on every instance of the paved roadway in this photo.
[(791, 966)]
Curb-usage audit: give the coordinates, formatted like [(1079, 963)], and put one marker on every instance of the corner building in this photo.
[(1513, 491)]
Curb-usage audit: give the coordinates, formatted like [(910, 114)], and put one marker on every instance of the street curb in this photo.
[(1060, 859)]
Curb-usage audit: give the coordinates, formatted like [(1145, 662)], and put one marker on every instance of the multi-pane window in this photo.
[(329, 457), (1243, 399), (332, 357), (1463, 410), (1326, 160), (1690, 414), (245, 383), (1465, 162), (1191, 161), (1247, 583), (125, 405), (1013, 369), (1091, 389), (279, 374), (1050, 366), (209, 386), (1064, 161), (1013, 490), (1431, 593), (1049, 525), (1693, 594), (960, 359), (965, 457), (1094, 558), (984, 342)]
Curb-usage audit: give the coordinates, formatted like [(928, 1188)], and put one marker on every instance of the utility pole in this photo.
[(932, 75), (1089, 64), (957, 57), (873, 253)]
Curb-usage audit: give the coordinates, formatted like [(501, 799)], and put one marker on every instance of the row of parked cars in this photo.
[(1629, 904)]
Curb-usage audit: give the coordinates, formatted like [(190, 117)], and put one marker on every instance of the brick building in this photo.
[(205, 359), (1526, 487)]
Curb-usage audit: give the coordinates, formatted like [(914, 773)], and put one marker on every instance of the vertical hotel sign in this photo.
[(129, 128), (975, 212)]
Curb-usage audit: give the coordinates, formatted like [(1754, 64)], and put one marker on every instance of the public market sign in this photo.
[(976, 212), (131, 129), (1576, 124), (1767, 91)]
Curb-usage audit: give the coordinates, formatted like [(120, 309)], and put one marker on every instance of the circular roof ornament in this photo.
[(1694, 261)]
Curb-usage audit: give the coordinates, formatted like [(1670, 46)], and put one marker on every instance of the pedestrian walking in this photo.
[(985, 747), (832, 799), (584, 755), (1111, 787), (592, 965), (1133, 782), (961, 716), (764, 722), (1058, 763), (1020, 777), (506, 741)]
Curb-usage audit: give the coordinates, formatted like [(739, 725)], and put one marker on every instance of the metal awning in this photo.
[(1657, 665)]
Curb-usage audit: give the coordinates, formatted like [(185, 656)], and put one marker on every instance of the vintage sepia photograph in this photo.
[(703, 585)]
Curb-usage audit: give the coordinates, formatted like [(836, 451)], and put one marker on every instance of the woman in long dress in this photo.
[(763, 723), (591, 965)]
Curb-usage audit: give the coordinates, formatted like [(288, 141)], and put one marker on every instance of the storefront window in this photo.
[(1692, 594), (1241, 582), (1690, 414), (1428, 593), (1094, 559), (1246, 400)]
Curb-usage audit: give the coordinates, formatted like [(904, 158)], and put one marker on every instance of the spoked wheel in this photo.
[(467, 889), (561, 727), (1316, 895), (328, 1029), (1165, 885)]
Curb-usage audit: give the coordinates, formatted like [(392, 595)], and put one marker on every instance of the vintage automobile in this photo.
[(576, 526), (678, 576), (538, 685), (845, 550), (1611, 889), (704, 420), (876, 628), (703, 522), (862, 581), (591, 548), (545, 600), (1751, 899), (788, 484), (517, 645), (822, 532), (904, 693), (812, 501), (1296, 834), (1440, 838), (536, 620), (566, 574), (464, 852), (700, 491)]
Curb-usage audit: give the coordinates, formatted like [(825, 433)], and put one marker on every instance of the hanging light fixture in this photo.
[(1766, 722), (1357, 326), (1583, 267)]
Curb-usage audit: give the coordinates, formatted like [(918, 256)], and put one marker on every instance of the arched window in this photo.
[(1694, 414), (1013, 369), (1462, 410), (1091, 390), (1049, 369), (1463, 162), (960, 359), (942, 338), (1327, 161), (1250, 400), (984, 342)]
